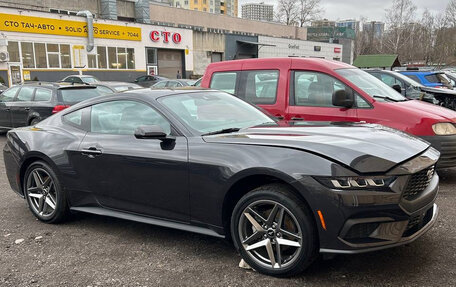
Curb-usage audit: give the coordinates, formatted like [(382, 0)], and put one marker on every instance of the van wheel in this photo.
[(44, 194), (274, 232)]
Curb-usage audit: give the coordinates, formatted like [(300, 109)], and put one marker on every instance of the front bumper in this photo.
[(446, 145)]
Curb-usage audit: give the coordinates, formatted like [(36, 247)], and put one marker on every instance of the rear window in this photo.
[(72, 96), (432, 78), (415, 78), (224, 81)]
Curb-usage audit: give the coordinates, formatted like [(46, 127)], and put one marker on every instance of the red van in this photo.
[(308, 89)]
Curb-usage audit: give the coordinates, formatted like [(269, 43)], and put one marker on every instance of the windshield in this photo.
[(73, 96), (209, 112), (371, 85), (89, 80)]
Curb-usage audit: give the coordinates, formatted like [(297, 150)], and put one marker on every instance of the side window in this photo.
[(76, 118), (25, 94), (8, 95), (141, 79), (42, 95), (389, 80), (161, 84), (68, 80), (173, 84), (261, 86), (123, 117), (361, 103), (78, 80), (315, 89), (224, 81)]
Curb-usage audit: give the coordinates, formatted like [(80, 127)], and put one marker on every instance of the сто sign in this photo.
[(166, 36)]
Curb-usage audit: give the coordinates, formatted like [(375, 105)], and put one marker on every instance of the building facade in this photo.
[(258, 12), (375, 27), (323, 23), (226, 7), (47, 47), (350, 23)]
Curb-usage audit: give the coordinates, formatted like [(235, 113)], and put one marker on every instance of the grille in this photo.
[(417, 183)]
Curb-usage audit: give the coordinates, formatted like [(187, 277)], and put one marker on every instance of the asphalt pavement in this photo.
[(91, 250)]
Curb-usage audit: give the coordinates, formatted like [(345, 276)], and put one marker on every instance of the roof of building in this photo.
[(377, 61)]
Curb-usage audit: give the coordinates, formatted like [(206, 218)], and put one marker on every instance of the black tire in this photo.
[(34, 121), (53, 192), (287, 201)]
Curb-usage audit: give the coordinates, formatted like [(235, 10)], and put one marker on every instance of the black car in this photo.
[(30, 103), (149, 80), (80, 79), (411, 89), (205, 161), (174, 83), (111, 87)]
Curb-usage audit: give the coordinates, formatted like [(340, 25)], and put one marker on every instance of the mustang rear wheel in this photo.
[(273, 231), (44, 194)]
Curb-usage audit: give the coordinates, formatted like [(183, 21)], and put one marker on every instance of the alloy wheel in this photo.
[(41, 193), (270, 234)]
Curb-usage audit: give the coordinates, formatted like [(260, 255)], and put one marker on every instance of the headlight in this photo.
[(443, 129), (357, 183)]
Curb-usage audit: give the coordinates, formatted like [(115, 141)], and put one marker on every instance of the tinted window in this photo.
[(75, 118), (161, 84), (123, 117), (88, 80), (173, 84), (225, 81), (8, 95), (432, 78), (141, 79), (25, 94), (72, 96), (315, 89), (261, 86), (42, 95), (415, 78)]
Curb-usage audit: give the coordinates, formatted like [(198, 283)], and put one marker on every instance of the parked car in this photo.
[(28, 104), (215, 165), (321, 90), (107, 87), (174, 83), (149, 80), (198, 82), (429, 78), (80, 79), (414, 90), (452, 77)]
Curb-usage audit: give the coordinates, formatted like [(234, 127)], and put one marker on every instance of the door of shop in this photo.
[(14, 74), (170, 63)]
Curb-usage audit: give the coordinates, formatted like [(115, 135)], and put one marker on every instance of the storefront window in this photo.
[(112, 58), (53, 55), (101, 51), (92, 61), (27, 55), (151, 56), (40, 55), (13, 51), (65, 56), (122, 58), (131, 58)]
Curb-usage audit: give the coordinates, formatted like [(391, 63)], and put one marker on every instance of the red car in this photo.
[(308, 89)]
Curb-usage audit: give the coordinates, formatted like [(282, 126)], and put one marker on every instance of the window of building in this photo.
[(53, 55), (92, 61), (204, 9), (28, 60), (186, 2), (101, 56), (40, 55), (65, 56), (13, 51), (131, 58), (204, 2), (112, 58), (195, 1), (121, 58)]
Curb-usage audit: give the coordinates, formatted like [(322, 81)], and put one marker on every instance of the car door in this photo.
[(146, 176), (311, 98), (6, 98), (20, 108)]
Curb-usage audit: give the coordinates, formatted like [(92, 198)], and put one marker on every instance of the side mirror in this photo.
[(150, 132), (343, 99), (397, 88)]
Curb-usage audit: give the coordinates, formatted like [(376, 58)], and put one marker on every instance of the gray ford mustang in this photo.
[(207, 162)]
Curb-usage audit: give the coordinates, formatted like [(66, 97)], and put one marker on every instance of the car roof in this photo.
[(114, 83), (56, 85), (420, 72)]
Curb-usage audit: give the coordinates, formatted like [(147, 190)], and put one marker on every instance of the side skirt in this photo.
[(147, 220)]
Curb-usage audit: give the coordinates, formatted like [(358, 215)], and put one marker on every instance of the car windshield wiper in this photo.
[(386, 98), (223, 131)]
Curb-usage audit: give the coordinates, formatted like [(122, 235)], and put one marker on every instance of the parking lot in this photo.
[(91, 250)]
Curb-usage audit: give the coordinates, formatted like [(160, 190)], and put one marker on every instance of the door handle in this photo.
[(297, 119), (27, 109), (91, 151), (279, 117), (7, 109)]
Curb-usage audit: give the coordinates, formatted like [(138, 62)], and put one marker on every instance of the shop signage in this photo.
[(293, 46), (38, 25), (317, 48), (165, 36), (337, 50)]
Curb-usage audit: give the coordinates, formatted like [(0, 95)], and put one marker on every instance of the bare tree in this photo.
[(450, 13), (287, 12), (399, 18), (309, 10)]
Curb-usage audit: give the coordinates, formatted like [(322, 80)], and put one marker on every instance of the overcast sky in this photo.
[(371, 9)]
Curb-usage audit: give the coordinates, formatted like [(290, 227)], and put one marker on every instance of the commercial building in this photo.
[(48, 46), (323, 23), (258, 11), (336, 35), (350, 23), (374, 27)]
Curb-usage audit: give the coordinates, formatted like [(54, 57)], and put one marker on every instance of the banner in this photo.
[(30, 24)]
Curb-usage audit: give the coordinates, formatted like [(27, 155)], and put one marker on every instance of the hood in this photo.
[(438, 91), (428, 110), (364, 148)]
